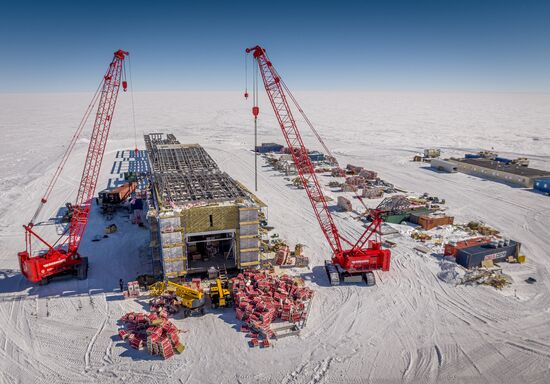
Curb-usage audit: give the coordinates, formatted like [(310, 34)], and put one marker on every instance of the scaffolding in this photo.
[(202, 218)]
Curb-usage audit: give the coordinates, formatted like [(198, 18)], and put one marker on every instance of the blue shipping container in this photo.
[(503, 160), (472, 156), (269, 147), (542, 185)]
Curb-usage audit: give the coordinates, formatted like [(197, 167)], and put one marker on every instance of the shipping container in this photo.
[(429, 222), (452, 248), (117, 195), (542, 185), (503, 160), (473, 256)]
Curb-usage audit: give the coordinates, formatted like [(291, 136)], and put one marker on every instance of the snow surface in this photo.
[(411, 327)]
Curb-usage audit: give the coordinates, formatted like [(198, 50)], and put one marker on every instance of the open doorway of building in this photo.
[(210, 249)]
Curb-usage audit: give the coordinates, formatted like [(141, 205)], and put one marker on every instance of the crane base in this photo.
[(337, 275)]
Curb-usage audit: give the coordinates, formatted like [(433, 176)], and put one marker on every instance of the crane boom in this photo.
[(57, 259), (366, 254), (274, 88), (96, 148)]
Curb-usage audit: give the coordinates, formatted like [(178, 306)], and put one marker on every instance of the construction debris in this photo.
[(338, 172), (420, 236), (482, 229), (262, 298), (432, 153), (165, 304), (492, 277), (160, 335), (449, 272), (344, 204), (349, 187), (353, 169), (373, 192)]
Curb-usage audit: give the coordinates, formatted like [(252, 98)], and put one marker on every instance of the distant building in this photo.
[(498, 171), (443, 165), (542, 185), (269, 147)]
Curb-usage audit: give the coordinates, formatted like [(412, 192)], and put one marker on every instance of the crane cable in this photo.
[(255, 102), (308, 122), (67, 153), (133, 107), (246, 75)]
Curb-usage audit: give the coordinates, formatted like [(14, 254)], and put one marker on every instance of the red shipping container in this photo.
[(452, 249)]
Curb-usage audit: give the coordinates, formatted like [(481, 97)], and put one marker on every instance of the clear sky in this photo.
[(56, 46)]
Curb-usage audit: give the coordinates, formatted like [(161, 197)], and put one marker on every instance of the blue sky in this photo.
[(56, 46)]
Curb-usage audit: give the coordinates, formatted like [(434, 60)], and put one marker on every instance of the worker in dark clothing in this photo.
[(121, 283)]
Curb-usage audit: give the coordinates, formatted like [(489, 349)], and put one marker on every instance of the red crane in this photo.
[(362, 256), (63, 256)]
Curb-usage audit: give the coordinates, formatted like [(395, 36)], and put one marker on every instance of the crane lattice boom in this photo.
[(57, 259), (96, 148), (306, 171), (365, 254)]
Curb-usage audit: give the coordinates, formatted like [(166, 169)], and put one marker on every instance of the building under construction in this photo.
[(199, 216)]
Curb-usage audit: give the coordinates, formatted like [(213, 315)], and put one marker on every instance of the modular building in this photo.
[(507, 173), (201, 218), (498, 251), (443, 165), (542, 185)]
